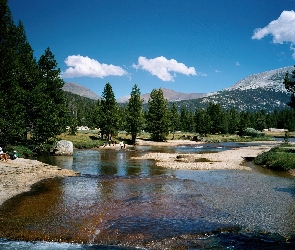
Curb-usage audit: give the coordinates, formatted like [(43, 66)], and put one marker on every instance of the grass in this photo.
[(278, 158), (89, 138), (84, 139)]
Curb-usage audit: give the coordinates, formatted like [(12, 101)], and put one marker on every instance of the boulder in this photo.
[(63, 147)]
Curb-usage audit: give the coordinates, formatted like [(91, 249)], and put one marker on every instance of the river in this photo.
[(121, 203)]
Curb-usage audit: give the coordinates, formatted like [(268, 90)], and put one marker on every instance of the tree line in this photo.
[(161, 118), (35, 109), (32, 102)]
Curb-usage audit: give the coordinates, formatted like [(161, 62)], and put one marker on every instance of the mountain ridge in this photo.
[(263, 90), (170, 95), (80, 90)]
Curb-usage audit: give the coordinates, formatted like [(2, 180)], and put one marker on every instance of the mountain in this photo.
[(255, 92), (170, 95), (80, 90)]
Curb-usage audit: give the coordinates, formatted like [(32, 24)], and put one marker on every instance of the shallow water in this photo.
[(119, 203)]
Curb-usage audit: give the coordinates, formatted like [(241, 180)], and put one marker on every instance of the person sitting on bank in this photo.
[(14, 155)]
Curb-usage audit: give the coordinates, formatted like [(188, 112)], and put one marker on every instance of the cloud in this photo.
[(282, 30), (238, 64), (163, 68), (217, 71), (84, 66)]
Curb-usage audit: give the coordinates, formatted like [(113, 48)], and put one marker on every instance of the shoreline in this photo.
[(223, 160), (17, 176)]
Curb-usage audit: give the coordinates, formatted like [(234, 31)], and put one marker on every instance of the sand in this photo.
[(229, 159), (17, 176)]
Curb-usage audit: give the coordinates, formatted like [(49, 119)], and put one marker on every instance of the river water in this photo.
[(120, 203)]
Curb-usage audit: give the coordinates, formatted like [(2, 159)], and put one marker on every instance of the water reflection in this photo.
[(118, 200)]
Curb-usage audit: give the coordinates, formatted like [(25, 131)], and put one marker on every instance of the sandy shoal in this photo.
[(17, 176), (228, 159)]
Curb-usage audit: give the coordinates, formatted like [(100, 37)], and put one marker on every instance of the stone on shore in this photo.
[(63, 147)]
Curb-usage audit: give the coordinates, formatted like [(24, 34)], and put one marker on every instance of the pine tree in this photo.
[(17, 67), (49, 114), (158, 116), (245, 122), (218, 118), (134, 114), (174, 120), (289, 82), (202, 122), (108, 113), (233, 121)]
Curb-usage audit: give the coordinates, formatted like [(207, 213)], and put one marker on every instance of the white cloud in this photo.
[(282, 30), (84, 66), (217, 71), (238, 64), (163, 68)]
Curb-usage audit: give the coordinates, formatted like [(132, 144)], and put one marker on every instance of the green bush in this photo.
[(22, 151), (253, 132), (278, 158)]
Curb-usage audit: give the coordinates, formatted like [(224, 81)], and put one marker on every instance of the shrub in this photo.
[(252, 132), (278, 158), (22, 151)]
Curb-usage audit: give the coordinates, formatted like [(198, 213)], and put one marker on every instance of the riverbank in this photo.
[(17, 176), (228, 159)]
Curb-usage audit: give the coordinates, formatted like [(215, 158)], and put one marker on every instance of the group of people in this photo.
[(110, 142), (5, 156)]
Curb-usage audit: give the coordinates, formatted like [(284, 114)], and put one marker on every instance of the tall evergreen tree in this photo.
[(245, 122), (134, 114), (108, 113), (202, 122), (218, 118), (289, 82), (17, 70), (158, 116), (233, 121), (49, 114), (174, 120)]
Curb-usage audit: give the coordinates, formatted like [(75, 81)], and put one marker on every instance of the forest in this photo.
[(206, 120), (35, 109)]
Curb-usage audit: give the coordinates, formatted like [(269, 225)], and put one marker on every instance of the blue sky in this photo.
[(191, 46)]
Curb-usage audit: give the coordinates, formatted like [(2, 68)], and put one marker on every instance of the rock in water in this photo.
[(63, 147)]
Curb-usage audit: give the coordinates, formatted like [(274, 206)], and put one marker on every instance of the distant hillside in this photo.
[(80, 90), (170, 95), (255, 92)]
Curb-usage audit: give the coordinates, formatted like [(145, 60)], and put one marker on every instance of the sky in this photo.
[(189, 46)]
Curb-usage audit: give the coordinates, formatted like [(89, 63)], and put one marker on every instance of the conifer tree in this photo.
[(174, 120), (49, 114), (202, 122), (31, 97), (16, 65), (233, 121), (289, 82), (218, 118), (108, 113), (134, 114), (158, 116)]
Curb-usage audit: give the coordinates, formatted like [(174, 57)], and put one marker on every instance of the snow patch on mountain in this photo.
[(272, 79)]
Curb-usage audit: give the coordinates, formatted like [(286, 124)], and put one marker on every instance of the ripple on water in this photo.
[(126, 203)]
